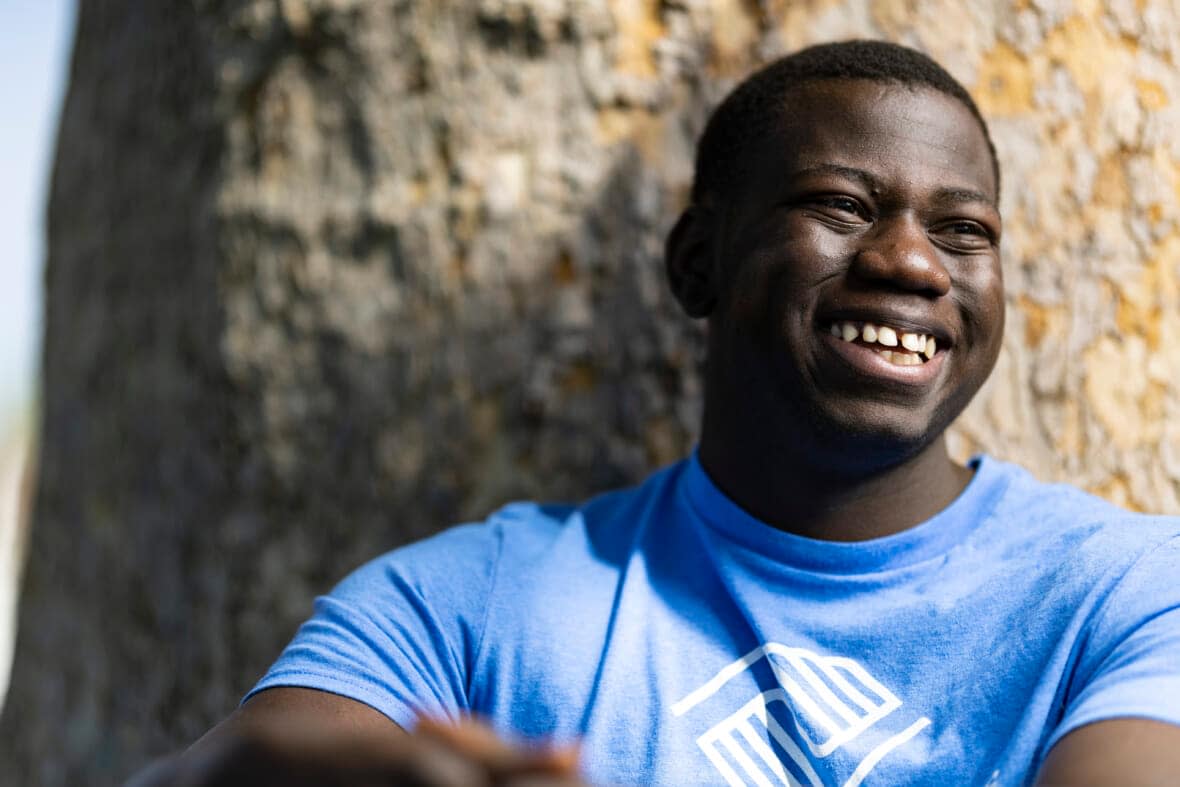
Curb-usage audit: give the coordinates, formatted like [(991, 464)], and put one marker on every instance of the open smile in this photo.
[(896, 345), (883, 351)]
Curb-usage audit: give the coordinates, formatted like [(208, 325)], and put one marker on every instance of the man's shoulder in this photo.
[(1095, 533)]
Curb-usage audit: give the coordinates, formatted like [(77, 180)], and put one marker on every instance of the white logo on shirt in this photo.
[(832, 701)]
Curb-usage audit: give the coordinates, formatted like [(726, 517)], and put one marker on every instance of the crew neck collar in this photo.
[(923, 541)]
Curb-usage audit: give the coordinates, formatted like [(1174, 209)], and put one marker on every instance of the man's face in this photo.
[(858, 267)]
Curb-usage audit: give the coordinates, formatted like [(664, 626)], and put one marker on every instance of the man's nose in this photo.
[(899, 252)]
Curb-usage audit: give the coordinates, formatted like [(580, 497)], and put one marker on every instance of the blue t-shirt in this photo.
[(684, 642)]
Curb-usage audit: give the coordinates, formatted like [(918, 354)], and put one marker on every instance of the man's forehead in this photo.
[(858, 123)]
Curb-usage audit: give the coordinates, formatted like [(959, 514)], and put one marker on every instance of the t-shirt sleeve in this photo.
[(1130, 663), (401, 632)]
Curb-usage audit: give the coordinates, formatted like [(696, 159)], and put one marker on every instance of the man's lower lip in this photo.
[(871, 364)]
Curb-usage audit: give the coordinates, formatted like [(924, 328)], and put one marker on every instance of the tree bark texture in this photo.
[(326, 276)]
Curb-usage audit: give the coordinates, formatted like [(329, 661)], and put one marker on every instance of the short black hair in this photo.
[(755, 105)]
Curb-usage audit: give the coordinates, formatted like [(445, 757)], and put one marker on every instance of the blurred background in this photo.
[(325, 276), (36, 36)]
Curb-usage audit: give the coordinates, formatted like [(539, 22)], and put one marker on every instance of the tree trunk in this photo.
[(328, 275)]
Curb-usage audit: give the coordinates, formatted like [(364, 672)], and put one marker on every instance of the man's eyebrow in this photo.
[(955, 196), (869, 181), (852, 173)]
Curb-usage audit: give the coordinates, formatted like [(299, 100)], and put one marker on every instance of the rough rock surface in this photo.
[(327, 275)]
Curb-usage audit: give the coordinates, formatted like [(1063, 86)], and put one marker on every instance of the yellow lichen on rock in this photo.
[(1116, 490), (1151, 94), (642, 129), (1005, 84), (1091, 52), (638, 29), (1069, 440), (1115, 385), (1110, 184), (733, 35), (1040, 321)]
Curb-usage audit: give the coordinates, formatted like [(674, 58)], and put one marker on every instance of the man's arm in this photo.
[(304, 737), (1130, 752)]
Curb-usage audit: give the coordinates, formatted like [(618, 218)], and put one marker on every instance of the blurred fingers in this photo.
[(503, 759)]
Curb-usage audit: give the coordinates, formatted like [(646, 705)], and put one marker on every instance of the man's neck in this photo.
[(798, 495)]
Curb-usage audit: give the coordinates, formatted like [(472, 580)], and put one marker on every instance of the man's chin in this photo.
[(864, 443)]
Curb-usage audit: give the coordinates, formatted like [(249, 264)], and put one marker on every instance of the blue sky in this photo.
[(34, 58)]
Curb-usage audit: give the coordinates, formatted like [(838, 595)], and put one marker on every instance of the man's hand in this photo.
[(302, 748)]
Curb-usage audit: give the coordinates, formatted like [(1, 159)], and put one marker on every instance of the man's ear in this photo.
[(688, 258)]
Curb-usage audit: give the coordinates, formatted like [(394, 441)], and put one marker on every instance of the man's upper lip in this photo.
[(907, 322)]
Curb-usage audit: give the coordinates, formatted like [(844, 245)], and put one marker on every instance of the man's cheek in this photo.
[(746, 294)]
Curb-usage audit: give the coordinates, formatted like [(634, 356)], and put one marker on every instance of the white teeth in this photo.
[(900, 357), (917, 344)]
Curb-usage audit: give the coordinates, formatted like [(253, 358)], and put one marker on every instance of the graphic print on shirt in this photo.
[(826, 714)]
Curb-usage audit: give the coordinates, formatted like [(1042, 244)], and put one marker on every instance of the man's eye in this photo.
[(967, 236), (840, 204), (967, 228)]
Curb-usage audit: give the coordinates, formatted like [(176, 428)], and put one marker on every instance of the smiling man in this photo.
[(818, 595)]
